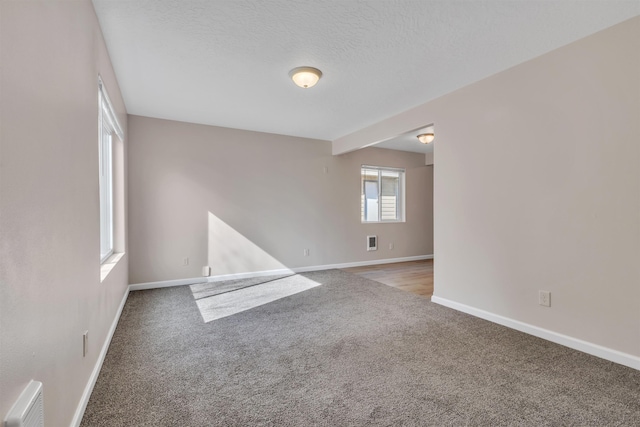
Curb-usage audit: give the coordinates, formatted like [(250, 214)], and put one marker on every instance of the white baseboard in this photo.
[(571, 342), (167, 283), (248, 275), (84, 400)]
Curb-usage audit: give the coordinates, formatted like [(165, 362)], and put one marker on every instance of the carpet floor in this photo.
[(349, 352)]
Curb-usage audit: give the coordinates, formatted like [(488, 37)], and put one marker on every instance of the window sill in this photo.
[(382, 222), (107, 266)]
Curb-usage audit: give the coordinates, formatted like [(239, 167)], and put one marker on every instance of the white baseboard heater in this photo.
[(28, 411)]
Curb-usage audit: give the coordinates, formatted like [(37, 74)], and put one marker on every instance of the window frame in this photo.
[(400, 198), (108, 129)]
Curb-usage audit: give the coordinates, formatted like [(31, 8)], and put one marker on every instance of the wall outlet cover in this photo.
[(544, 298)]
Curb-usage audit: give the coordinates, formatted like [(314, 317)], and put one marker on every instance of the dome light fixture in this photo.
[(305, 77), (426, 138)]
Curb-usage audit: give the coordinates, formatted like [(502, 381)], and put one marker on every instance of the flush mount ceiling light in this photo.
[(305, 77), (426, 138)]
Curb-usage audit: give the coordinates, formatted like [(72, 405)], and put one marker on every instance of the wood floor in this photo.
[(413, 276)]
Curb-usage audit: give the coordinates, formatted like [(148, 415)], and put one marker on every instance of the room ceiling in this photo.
[(225, 63)]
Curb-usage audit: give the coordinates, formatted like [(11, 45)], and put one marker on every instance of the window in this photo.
[(382, 194), (108, 128)]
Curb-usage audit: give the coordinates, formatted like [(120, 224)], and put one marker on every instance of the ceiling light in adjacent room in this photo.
[(426, 138), (305, 77)]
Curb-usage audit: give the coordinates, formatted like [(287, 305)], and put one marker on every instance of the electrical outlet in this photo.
[(185, 262), (390, 245), (544, 298), (85, 343), (306, 252)]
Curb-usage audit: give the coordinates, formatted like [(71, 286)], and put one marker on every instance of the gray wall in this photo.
[(50, 290), (539, 180), (537, 186), (244, 201)]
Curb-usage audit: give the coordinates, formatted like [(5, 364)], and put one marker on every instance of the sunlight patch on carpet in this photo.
[(237, 301)]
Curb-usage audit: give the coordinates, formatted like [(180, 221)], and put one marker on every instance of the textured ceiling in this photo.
[(225, 63), (408, 141)]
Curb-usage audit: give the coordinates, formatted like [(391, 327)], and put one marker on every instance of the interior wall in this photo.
[(538, 173), (244, 201), (537, 187), (50, 290)]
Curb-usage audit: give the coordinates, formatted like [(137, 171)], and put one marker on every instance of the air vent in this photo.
[(372, 243), (28, 410)]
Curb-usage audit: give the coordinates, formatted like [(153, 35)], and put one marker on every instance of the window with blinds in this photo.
[(382, 194)]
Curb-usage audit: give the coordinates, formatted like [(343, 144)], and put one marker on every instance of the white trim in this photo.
[(109, 264), (571, 342), (248, 275), (84, 400), (167, 283), (389, 168), (111, 113)]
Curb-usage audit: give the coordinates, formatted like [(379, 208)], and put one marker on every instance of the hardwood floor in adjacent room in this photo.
[(412, 276)]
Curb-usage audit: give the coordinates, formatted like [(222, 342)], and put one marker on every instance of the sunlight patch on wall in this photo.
[(230, 252)]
